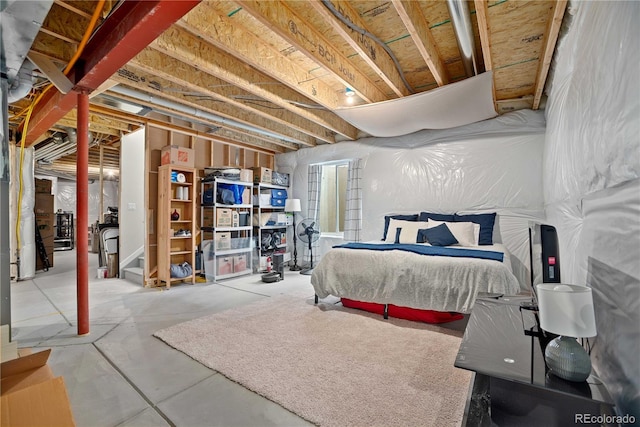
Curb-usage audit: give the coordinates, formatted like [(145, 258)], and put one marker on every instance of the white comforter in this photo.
[(411, 280)]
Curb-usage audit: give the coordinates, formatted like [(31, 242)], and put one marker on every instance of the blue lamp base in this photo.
[(567, 359)]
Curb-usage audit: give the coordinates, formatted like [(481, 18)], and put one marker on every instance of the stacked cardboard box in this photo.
[(225, 217), (176, 155), (261, 175), (45, 219)]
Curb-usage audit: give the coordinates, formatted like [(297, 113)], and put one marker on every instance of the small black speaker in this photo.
[(550, 254)]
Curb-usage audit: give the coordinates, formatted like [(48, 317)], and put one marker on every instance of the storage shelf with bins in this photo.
[(176, 222), (262, 208), (227, 231)]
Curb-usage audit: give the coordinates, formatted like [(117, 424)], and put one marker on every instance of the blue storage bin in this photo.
[(277, 202), (278, 194)]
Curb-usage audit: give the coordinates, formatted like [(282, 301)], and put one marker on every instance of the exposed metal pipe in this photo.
[(461, 20), (194, 111)]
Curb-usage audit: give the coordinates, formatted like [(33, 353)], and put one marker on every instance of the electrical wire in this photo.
[(86, 36), (81, 46), (373, 37)]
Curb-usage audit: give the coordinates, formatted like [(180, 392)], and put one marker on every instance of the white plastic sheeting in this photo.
[(591, 180), (456, 104), (66, 197), (491, 166), (26, 228)]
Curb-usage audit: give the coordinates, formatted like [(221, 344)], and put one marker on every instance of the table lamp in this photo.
[(293, 206), (567, 310)]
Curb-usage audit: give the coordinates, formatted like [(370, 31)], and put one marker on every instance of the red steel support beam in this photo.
[(130, 28), (82, 213)]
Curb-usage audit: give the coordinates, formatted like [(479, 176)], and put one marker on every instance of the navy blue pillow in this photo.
[(437, 236), (424, 216), (398, 232), (400, 217), (486, 222)]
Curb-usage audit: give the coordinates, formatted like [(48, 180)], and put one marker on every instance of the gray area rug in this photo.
[(331, 365)]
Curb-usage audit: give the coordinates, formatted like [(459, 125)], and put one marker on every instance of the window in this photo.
[(333, 192)]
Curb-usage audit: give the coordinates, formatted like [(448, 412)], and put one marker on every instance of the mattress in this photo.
[(407, 279)]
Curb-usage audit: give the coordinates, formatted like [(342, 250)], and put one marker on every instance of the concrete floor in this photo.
[(120, 375)]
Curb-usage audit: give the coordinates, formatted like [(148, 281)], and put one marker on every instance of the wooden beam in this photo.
[(68, 122), (231, 36), (508, 105), (245, 138), (283, 21), (266, 148), (551, 37), (417, 26), (100, 123), (108, 84), (287, 81), (370, 52), (103, 110), (482, 15), (182, 45), (150, 62), (73, 9), (58, 36)]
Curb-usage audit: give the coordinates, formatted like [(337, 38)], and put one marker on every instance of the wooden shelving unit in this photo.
[(176, 237)]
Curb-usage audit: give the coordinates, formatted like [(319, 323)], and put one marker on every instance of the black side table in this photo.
[(503, 345)]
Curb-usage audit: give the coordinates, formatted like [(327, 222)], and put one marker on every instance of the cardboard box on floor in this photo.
[(31, 395)]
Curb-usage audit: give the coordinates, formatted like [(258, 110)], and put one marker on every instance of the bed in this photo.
[(417, 275)]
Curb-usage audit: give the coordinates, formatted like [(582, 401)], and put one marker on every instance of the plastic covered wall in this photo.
[(591, 180), (491, 166), (26, 228), (66, 197)]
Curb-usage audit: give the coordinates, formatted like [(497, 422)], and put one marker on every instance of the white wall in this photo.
[(591, 180), (495, 165), (131, 213)]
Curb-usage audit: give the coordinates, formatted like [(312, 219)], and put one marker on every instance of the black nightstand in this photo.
[(502, 344)]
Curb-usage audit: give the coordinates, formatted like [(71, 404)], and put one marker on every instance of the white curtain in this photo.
[(353, 208), (313, 195)]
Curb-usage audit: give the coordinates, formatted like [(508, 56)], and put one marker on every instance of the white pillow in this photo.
[(466, 233), (408, 233)]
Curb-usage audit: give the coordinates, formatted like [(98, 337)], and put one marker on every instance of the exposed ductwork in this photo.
[(60, 144), (461, 20), (193, 111), (21, 85), (21, 21)]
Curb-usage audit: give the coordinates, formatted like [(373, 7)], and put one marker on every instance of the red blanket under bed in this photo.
[(426, 316)]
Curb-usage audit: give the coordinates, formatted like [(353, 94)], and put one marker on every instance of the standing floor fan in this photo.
[(308, 234)]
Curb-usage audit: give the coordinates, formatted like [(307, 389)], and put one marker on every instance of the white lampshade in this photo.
[(566, 310), (292, 205)]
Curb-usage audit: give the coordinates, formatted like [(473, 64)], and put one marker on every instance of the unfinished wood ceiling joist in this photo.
[(279, 69)]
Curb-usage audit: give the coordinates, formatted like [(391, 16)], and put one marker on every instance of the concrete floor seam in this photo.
[(52, 303), (136, 388)]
